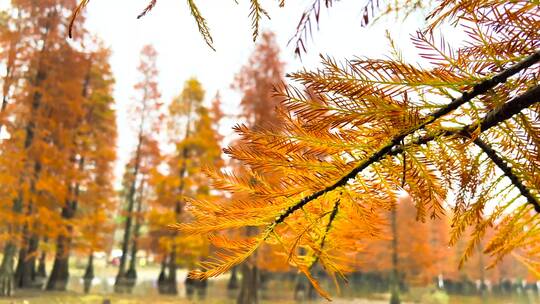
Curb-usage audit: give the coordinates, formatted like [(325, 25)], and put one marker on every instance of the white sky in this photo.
[(183, 53)]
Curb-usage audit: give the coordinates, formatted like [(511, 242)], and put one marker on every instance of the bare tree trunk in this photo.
[(26, 263), (6, 270), (394, 279), (233, 281), (89, 273), (41, 273), (121, 283), (60, 271), (131, 274), (162, 276), (248, 285), (171, 282), (41, 270), (171, 285), (250, 277)]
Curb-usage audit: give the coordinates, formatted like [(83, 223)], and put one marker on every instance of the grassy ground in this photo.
[(37, 297), (278, 292)]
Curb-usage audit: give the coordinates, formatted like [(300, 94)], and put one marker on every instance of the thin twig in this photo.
[(492, 154)]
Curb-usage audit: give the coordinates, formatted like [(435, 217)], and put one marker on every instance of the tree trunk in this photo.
[(394, 278), (171, 285), (89, 273), (233, 281), (26, 264), (171, 282), (41, 274), (41, 270), (190, 285), (121, 283), (161, 282), (60, 271), (249, 285), (131, 274), (250, 276), (6, 270)]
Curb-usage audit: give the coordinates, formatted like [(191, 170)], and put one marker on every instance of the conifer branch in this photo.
[(333, 215), (483, 87), (492, 154), (492, 118)]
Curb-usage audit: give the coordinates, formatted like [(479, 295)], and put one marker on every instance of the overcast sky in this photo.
[(183, 53)]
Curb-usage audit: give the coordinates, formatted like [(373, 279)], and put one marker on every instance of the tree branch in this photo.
[(387, 149), (492, 154), (492, 118), (328, 227)]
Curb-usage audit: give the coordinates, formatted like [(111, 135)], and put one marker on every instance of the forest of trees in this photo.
[(379, 172)]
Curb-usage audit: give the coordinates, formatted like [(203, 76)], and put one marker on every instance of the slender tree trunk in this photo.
[(6, 270), (162, 276), (89, 273), (120, 285), (233, 281), (131, 274), (394, 279), (250, 277), (41, 274), (248, 285), (60, 271), (26, 264), (7, 275), (41, 270), (171, 283)]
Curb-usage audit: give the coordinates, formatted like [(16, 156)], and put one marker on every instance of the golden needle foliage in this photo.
[(353, 133)]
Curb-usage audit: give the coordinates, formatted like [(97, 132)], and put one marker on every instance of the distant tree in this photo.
[(146, 111), (96, 200), (91, 157), (47, 100), (193, 131), (149, 159)]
